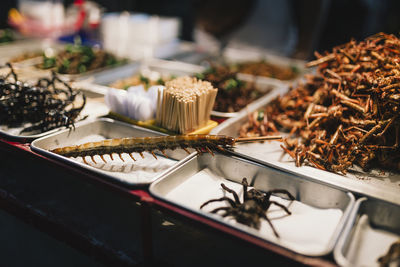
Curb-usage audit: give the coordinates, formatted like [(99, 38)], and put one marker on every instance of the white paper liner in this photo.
[(139, 171), (368, 244), (307, 231)]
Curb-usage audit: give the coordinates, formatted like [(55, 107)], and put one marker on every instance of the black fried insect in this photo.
[(44, 105), (254, 207), (392, 256)]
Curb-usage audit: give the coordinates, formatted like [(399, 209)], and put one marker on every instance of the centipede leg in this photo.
[(84, 160), (120, 156), (130, 155), (199, 151), (209, 151), (141, 154), (187, 151), (92, 157), (154, 155), (163, 152), (101, 156), (111, 156)]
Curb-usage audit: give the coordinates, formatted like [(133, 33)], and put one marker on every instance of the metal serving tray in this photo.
[(318, 214), (99, 82), (14, 49), (130, 173), (235, 55), (373, 226), (378, 184)]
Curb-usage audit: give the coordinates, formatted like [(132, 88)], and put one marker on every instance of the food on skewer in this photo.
[(129, 145)]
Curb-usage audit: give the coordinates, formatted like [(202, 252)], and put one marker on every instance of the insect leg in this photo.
[(101, 156), (282, 191), (130, 155), (232, 192), (270, 224), (233, 204), (281, 206)]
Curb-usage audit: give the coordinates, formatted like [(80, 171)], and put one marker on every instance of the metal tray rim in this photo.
[(337, 252)]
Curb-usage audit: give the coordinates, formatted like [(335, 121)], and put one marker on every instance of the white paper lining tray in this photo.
[(318, 214), (373, 226), (130, 173), (378, 184)]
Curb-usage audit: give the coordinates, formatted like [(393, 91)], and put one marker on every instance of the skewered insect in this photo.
[(139, 145), (254, 206), (391, 256), (45, 105)]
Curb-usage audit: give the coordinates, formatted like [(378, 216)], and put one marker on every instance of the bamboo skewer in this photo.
[(258, 138)]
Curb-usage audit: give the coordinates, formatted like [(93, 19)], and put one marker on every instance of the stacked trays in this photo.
[(351, 220)]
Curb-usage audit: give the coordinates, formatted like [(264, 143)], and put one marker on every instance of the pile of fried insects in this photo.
[(345, 114), (38, 108)]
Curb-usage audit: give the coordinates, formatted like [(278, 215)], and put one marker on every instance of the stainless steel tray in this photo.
[(130, 173), (373, 226), (385, 186), (318, 214), (235, 55), (99, 82), (9, 51)]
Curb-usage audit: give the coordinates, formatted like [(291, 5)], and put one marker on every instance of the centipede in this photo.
[(201, 143)]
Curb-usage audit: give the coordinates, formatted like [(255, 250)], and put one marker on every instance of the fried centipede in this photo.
[(129, 145)]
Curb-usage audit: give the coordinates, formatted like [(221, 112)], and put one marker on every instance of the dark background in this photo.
[(320, 24)]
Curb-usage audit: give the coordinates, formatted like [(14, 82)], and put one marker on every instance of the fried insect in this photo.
[(393, 255), (45, 105), (253, 208), (200, 142), (233, 93), (346, 114)]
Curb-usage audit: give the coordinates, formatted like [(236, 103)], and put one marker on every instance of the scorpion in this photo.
[(253, 208), (44, 105)]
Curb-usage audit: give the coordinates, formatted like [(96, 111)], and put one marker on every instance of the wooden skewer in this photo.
[(258, 138)]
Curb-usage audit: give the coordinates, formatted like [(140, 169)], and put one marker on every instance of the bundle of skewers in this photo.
[(185, 104), (345, 114)]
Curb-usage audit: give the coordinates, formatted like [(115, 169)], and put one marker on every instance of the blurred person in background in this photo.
[(293, 28)]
